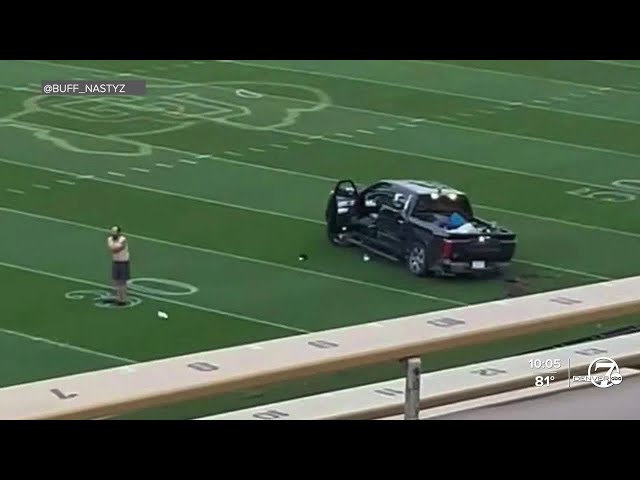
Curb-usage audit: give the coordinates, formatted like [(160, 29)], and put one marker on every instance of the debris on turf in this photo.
[(302, 257), (516, 287)]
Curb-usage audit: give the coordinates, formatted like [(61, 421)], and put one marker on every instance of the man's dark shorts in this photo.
[(120, 272)]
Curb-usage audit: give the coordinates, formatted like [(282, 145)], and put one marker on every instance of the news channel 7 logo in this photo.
[(603, 372)]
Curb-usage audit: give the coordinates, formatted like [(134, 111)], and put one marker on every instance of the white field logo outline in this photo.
[(607, 379)]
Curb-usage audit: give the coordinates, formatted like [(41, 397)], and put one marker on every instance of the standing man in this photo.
[(120, 272)]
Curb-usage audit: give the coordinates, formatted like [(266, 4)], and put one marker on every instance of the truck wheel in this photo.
[(417, 260)]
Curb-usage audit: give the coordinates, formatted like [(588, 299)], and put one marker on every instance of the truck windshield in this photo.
[(443, 205)]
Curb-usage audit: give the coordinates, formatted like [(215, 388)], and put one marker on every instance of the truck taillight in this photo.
[(447, 248)]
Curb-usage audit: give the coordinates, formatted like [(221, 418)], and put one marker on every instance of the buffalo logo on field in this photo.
[(243, 105)]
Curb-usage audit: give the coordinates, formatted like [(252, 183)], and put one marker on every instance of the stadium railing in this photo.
[(530, 393), (548, 368), (120, 390)]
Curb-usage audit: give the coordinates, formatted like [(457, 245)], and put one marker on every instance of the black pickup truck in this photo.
[(408, 221)]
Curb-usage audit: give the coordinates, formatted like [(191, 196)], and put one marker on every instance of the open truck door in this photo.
[(340, 209)]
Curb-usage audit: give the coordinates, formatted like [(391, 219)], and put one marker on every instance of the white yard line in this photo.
[(510, 74), (475, 165), (617, 64), (66, 346), (433, 90), (372, 147), (158, 191), (239, 257), (385, 114), (290, 172), (153, 297), (309, 220), (634, 88), (458, 162), (283, 171), (436, 158), (549, 267)]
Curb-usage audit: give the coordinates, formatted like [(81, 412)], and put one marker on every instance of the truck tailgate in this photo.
[(487, 248)]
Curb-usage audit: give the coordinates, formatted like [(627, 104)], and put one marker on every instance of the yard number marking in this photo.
[(101, 298), (621, 191), (106, 299), (603, 195), (181, 289)]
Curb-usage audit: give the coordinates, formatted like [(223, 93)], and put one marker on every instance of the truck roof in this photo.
[(420, 187)]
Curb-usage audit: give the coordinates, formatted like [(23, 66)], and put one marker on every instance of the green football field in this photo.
[(219, 177)]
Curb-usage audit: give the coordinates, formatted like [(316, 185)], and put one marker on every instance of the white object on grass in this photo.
[(366, 257), (163, 315)]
